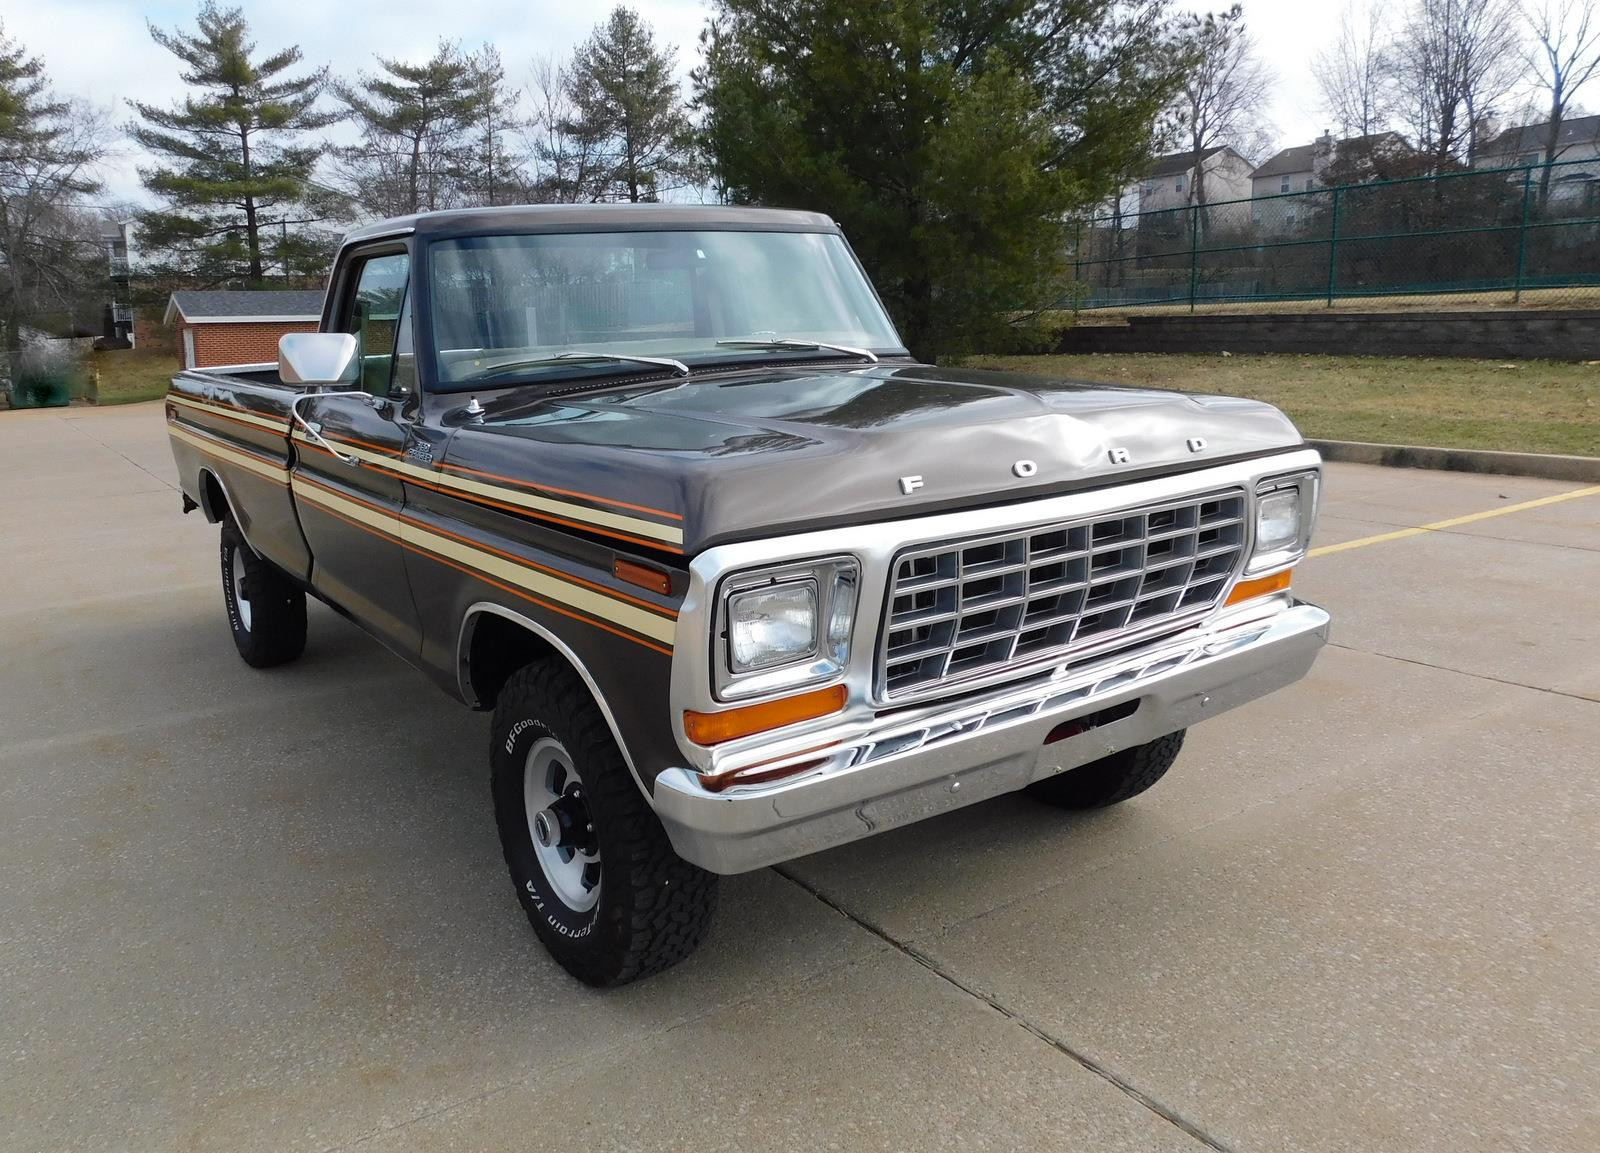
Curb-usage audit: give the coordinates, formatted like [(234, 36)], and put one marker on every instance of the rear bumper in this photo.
[(933, 760)]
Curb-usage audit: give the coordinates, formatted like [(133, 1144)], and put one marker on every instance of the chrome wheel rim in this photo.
[(236, 578), (559, 825)]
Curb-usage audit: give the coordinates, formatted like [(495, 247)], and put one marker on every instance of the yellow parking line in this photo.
[(1438, 525)]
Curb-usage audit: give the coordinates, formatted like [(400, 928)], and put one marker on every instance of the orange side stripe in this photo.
[(224, 408), (488, 580), (527, 596), (519, 510), (388, 451), (220, 415), (561, 491), (366, 444), (669, 614), (232, 446)]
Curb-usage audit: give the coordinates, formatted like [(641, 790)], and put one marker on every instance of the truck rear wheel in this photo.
[(266, 610), (590, 862), (1112, 779)]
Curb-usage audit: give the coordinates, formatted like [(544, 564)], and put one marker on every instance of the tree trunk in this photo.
[(415, 172), (252, 230), (1552, 135), (633, 163)]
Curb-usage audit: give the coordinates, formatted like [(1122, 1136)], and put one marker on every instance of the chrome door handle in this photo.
[(314, 431)]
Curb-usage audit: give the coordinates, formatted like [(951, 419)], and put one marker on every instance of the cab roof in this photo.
[(536, 218)]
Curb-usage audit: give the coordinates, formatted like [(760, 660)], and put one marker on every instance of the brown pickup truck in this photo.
[(739, 579)]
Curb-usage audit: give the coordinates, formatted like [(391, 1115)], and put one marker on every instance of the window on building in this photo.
[(1309, 183), (1284, 186), (1178, 184), (1528, 158)]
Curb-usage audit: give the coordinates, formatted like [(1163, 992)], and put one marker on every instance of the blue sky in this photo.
[(100, 49)]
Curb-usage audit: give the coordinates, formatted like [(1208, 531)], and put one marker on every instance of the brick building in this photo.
[(238, 326)]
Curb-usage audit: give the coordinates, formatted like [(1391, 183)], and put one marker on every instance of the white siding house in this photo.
[(1575, 177), (1170, 182), (1301, 168)]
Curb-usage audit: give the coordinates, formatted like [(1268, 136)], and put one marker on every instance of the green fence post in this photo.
[(1194, 252), (1333, 248), (1522, 233), (1078, 293)]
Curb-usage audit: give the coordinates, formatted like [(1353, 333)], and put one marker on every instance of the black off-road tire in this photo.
[(274, 630), (1112, 779), (653, 908)]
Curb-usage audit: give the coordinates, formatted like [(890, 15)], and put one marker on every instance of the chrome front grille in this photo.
[(967, 610)]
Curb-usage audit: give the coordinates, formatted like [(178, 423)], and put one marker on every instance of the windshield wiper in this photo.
[(790, 342), (676, 366)]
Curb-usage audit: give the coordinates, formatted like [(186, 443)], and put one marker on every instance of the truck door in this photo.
[(349, 501)]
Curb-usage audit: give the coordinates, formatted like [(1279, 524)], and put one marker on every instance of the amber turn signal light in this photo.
[(644, 576), (714, 728), (1260, 587)]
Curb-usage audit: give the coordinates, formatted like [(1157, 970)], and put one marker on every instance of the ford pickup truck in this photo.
[(738, 578)]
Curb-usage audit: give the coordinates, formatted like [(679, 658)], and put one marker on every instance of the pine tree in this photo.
[(48, 148), (235, 162), (627, 109), (954, 141), (490, 174), (416, 133)]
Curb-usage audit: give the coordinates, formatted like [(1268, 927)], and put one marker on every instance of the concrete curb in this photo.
[(1575, 468)]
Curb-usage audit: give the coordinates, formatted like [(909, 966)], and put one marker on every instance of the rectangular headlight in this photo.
[(771, 626), (784, 627), (1278, 520), (1285, 507)]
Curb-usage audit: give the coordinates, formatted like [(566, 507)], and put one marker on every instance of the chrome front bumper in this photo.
[(916, 763)]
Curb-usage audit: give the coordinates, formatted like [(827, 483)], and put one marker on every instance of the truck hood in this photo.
[(759, 453)]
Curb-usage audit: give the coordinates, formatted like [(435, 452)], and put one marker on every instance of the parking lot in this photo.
[(249, 910)]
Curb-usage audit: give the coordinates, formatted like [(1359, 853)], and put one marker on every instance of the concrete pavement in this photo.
[(267, 911)]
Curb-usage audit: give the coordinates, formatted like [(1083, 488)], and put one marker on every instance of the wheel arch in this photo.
[(215, 501), (480, 675)]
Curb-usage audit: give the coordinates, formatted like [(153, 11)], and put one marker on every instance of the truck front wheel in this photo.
[(1111, 779), (591, 864), (266, 610)]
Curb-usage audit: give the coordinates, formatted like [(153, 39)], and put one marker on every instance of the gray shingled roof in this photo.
[(233, 304), (1296, 159), (1176, 162), (1530, 137), (1300, 158)]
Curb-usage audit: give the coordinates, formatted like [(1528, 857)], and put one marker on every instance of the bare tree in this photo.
[(566, 168), (489, 173), (1564, 56), (50, 262), (1223, 96), (1456, 63), (1355, 73)]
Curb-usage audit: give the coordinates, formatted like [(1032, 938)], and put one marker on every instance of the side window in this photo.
[(372, 314)]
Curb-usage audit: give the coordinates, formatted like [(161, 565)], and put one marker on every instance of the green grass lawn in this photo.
[(128, 375), (1513, 406)]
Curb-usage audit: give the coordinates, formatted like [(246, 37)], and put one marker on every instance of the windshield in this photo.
[(502, 303)]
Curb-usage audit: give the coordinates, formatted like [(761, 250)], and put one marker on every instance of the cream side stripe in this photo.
[(582, 512), (277, 426), (354, 510), (223, 452), (595, 604), (1441, 525)]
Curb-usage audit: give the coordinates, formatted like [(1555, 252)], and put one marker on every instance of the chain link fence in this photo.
[(1527, 236)]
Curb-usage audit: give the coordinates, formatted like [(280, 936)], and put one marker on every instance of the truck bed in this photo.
[(230, 435)]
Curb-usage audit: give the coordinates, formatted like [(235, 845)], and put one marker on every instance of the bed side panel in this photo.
[(236, 428)]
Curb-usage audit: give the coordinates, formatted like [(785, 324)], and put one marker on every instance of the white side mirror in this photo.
[(317, 358)]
